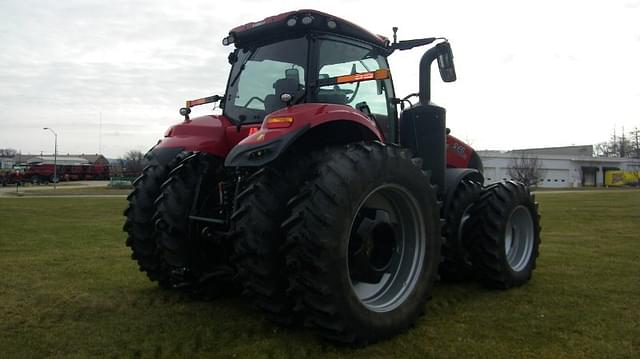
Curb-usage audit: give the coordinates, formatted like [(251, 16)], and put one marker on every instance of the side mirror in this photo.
[(287, 86), (445, 62)]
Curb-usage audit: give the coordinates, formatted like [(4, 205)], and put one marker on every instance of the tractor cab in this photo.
[(308, 57)]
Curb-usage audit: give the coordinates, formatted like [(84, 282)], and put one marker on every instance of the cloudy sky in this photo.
[(530, 73)]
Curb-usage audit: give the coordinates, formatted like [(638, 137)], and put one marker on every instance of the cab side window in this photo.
[(340, 58)]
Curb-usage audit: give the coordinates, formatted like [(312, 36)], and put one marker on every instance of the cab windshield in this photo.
[(260, 73)]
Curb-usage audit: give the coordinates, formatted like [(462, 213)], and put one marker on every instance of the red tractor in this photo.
[(328, 205)]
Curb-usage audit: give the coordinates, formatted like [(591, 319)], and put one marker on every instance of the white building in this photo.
[(6, 163), (572, 166)]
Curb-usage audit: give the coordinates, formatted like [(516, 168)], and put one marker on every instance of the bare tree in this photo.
[(620, 145), (624, 146), (133, 162), (526, 169), (7, 152), (635, 142)]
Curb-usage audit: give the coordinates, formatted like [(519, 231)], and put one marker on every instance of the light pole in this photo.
[(55, 156)]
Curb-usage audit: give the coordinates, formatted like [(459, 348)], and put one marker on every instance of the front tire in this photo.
[(363, 243), (194, 252), (141, 234), (506, 227)]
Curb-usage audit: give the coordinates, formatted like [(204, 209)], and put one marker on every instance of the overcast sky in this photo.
[(530, 73)]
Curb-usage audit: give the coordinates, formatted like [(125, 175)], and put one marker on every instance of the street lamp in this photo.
[(55, 156)]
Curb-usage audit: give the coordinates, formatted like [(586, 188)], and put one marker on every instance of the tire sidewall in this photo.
[(403, 173)]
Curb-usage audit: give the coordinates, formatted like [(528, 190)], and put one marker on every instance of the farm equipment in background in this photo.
[(326, 203), (10, 177), (44, 173)]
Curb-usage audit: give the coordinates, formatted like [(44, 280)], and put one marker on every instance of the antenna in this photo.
[(395, 36), (100, 135)]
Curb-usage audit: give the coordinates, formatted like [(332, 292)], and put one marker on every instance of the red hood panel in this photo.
[(212, 134)]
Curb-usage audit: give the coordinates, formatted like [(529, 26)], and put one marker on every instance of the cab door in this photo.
[(338, 56)]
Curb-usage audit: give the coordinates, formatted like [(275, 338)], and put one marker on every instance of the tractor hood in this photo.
[(212, 134)]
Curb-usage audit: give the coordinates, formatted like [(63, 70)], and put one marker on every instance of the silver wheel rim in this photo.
[(397, 260), (519, 238), (463, 220)]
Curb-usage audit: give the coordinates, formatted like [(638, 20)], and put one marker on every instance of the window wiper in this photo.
[(235, 78), (242, 118)]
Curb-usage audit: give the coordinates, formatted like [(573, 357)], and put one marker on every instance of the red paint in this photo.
[(458, 153), (68, 172), (312, 114), (44, 170), (381, 40), (211, 134), (217, 135), (268, 20)]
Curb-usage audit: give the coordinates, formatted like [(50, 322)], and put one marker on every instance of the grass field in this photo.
[(69, 289)]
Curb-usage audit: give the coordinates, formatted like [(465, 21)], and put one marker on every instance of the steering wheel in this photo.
[(354, 92), (251, 100), (347, 92), (340, 91)]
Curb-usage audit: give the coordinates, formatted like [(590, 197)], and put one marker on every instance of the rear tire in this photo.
[(456, 265), (506, 227), (195, 254), (138, 225), (363, 243)]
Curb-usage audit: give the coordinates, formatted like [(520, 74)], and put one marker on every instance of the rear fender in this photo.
[(453, 177), (314, 125)]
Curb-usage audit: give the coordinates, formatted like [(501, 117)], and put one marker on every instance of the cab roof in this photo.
[(300, 21)]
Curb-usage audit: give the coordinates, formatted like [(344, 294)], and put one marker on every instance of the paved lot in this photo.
[(66, 185)]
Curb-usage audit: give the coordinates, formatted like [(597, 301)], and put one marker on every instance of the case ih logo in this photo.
[(458, 148)]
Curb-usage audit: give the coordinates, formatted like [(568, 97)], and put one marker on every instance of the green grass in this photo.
[(69, 289)]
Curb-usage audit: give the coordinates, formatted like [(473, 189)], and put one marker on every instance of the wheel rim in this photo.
[(519, 238), (386, 251), (464, 219)]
